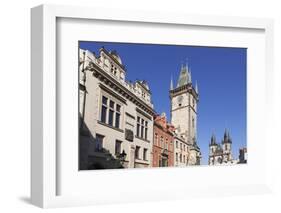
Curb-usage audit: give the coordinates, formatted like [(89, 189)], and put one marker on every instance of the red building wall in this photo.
[(163, 147)]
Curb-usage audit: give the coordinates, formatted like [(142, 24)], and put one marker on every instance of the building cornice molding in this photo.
[(108, 90), (183, 89), (118, 87), (189, 106), (143, 113)]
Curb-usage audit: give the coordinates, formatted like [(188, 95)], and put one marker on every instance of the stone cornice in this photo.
[(119, 88), (183, 89), (143, 113), (112, 93), (185, 107)]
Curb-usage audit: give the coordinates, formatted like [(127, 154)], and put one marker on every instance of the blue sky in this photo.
[(220, 74)]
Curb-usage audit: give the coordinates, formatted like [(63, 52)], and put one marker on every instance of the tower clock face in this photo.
[(180, 98)]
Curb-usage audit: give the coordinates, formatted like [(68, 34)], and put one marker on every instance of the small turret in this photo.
[(171, 84), (226, 137), (196, 88), (213, 140), (189, 75)]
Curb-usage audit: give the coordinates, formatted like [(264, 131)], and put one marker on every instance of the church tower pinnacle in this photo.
[(171, 83), (184, 100)]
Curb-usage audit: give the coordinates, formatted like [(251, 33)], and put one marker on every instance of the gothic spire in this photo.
[(226, 137), (213, 139), (189, 75), (183, 78), (196, 88), (171, 84)]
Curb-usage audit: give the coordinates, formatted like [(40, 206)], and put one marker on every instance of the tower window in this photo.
[(193, 122)]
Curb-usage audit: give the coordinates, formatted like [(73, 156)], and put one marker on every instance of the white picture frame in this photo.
[(44, 154)]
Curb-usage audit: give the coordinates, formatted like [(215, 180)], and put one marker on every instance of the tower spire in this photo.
[(213, 139), (196, 88), (189, 73), (171, 83)]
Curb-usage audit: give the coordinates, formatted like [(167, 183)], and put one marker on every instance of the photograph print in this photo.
[(155, 105)]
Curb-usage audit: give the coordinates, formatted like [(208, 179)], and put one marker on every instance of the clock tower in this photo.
[(184, 99)]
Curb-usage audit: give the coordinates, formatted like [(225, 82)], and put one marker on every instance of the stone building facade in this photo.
[(163, 147), (116, 116), (182, 151), (184, 99)]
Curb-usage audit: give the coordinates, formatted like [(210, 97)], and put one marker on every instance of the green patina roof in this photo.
[(184, 77)]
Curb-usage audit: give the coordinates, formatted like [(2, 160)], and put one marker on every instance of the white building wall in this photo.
[(92, 120)]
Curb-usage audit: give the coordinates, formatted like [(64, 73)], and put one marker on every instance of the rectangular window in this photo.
[(161, 142), (193, 122), (181, 146), (145, 154), (138, 126), (156, 139), (117, 120), (103, 114), (145, 130), (104, 100), (110, 117), (177, 157), (104, 109), (111, 104), (142, 127), (137, 152), (118, 107), (117, 116), (138, 130), (177, 144), (99, 143), (111, 113), (118, 147)]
